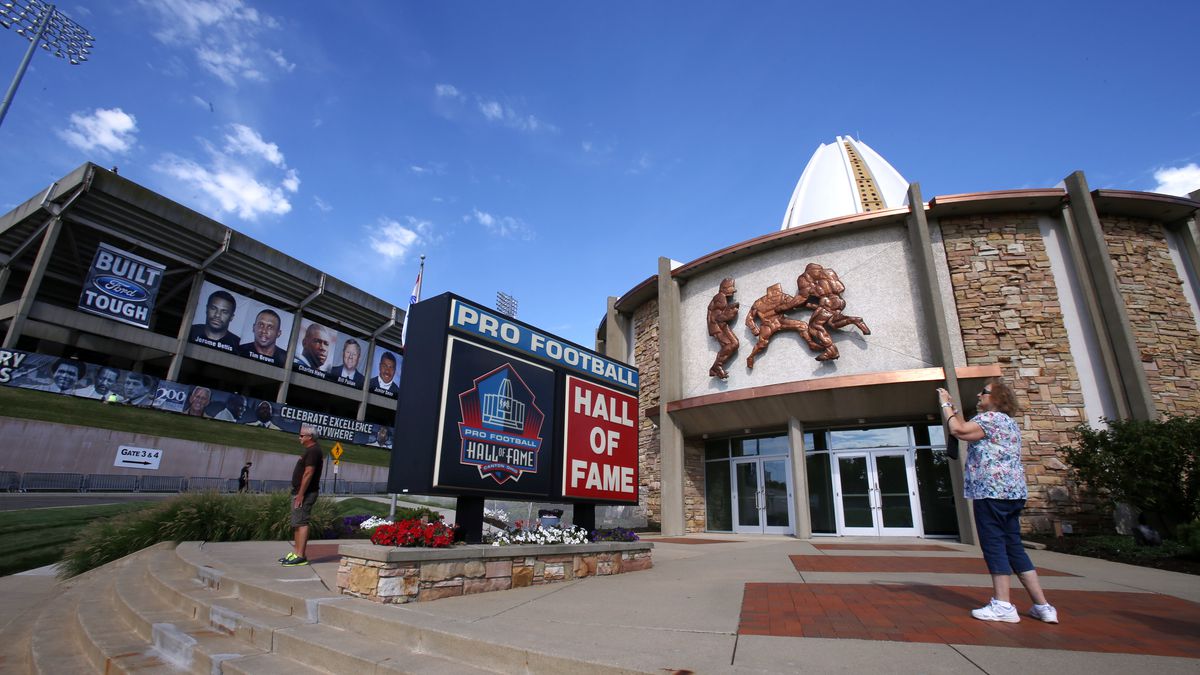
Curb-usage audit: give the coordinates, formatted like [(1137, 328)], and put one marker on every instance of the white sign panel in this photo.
[(138, 458)]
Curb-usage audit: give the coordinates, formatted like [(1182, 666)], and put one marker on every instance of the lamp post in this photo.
[(41, 23)]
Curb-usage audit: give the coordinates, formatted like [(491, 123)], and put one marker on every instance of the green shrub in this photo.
[(1151, 465), (193, 517), (1189, 537)]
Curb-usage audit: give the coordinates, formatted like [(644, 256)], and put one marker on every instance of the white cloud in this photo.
[(393, 240), (322, 205), (248, 176), (246, 141), (641, 164), (226, 37), (108, 129), (277, 56), (446, 91), (1179, 180), (587, 146), (495, 111), (233, 189), (506, 227)]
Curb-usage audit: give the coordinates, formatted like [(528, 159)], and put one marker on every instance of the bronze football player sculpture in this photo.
[(823, 292), (720, 312), (766, 318)]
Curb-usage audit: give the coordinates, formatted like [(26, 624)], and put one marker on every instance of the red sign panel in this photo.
[(600, 448)]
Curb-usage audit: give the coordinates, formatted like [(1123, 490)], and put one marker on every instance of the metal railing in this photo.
[(44, 481)]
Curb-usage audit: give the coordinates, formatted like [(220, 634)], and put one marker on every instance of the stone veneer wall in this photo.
[(1010, 315), (645, 354), (695, 511), (373, 573), (1159, 312)]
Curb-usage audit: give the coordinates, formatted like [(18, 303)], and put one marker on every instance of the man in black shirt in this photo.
[(244, 478), (306, 483)]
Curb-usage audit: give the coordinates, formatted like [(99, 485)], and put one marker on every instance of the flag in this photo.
[(413, 299), (416, 292)]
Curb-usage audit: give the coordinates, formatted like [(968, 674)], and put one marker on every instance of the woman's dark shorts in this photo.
[(998, 522)]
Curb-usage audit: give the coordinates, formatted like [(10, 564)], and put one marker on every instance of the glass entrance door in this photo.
[(762, 496), (876, 493)]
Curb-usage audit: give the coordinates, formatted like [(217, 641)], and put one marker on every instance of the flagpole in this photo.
[(413, 299)]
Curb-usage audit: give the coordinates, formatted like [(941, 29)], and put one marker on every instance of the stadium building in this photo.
[(99, 269), (1084, 300)]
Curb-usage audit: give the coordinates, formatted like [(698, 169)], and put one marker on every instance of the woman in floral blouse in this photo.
[(994, 479)]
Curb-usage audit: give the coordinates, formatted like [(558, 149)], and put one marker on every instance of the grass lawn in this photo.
[(32, 538), (46, 407)]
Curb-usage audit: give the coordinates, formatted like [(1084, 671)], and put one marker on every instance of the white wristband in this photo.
[(947, 405)]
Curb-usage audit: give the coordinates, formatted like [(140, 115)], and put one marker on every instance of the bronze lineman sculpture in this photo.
[(766, 318), (823, 290), (720, 312)]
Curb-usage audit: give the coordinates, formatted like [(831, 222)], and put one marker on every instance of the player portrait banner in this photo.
[(332, 356), (121, 286), (385, 371), (72, 377), (235, 324)]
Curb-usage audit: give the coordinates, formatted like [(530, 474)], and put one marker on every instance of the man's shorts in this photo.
[(300, 515)]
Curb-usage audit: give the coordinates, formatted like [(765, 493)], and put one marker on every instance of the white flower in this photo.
[(543, 536), (373, 522)]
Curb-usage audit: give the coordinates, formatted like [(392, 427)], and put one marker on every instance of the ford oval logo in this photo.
[(120, 288)]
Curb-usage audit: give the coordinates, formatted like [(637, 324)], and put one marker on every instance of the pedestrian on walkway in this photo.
[(244, 478), (306, 483), (994, 479)]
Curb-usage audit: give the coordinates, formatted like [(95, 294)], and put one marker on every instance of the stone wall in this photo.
[(645, 354), (1010, 315), (695, 512), (394, 576), (1159, 313)]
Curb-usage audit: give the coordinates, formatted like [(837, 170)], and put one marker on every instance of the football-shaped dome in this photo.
[(843, 178)]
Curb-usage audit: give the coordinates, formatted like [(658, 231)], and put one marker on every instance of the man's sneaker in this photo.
[(295, 561), (994, 611), (288, 556), (1045, 613)]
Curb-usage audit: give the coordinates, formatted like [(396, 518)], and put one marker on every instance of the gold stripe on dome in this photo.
[(868, 191)]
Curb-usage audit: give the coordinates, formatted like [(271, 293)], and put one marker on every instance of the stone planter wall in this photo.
[(397, 575)]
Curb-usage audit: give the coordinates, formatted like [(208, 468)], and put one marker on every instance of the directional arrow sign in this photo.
[(138, 458), (336, 451)]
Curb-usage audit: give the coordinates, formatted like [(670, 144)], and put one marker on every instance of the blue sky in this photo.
[(553, 150)]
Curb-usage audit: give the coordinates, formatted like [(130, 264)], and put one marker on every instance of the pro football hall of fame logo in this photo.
[(501, 426)]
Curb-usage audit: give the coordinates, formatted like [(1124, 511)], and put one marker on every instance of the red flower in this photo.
[(414, 533)]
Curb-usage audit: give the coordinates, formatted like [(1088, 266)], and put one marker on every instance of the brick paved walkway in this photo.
[(882, 547), (887, 563), (1094, 621)]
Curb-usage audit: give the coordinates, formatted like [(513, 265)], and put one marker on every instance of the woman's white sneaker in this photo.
[(994, 611), (1045, 613)]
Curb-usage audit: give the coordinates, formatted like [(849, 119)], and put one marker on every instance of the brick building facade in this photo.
[(1083, 300)]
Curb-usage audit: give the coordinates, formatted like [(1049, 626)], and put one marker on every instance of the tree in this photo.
[(1151, 465)]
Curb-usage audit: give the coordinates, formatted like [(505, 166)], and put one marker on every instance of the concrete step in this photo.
[(53, 645), (109, 642), (186, 642), (342, 651), (290, 591), (392, 638), (223, 610), (269, 664)]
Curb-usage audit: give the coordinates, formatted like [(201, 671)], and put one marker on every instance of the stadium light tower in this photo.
[(506, 304), (42, 24)]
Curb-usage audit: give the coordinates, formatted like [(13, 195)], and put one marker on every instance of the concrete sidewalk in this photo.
[(693, 610)]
